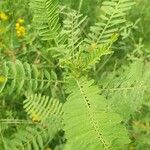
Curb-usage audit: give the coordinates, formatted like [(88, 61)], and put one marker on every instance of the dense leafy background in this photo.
[(122, 77)]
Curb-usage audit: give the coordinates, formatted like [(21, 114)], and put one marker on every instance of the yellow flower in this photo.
[(35, 118), (17, 25), (21, 31), (3, 16), (2, 79), (20, 20)]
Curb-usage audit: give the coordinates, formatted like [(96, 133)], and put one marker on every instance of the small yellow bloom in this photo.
[(20, 20), (3, 16), (17, 26), (21, 31), (35, 118), (2, 79), (18, 32)]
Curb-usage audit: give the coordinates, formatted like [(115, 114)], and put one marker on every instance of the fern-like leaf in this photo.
[(72, 30), (18, 76), (126, 92), (89, 125), (95, 55), (113, 16), (46, 18), (85, 60), (42, 107), (31, 138)]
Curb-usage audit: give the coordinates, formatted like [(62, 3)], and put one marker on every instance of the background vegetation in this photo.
[(39, 107)]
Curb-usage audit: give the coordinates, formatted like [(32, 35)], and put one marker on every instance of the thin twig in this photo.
[(124, 88), (80, 5), (15, 121)]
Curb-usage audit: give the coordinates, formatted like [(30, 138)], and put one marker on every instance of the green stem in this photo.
[(80, 5)]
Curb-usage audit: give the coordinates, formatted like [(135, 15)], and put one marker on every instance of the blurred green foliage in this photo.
[(134, 46)]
